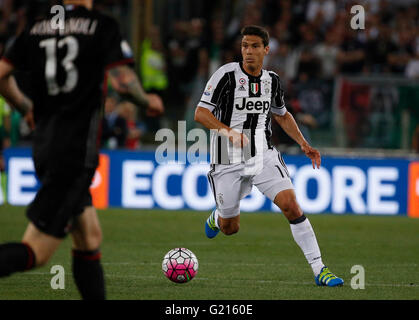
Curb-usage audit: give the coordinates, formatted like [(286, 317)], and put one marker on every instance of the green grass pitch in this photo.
[(260, 262)]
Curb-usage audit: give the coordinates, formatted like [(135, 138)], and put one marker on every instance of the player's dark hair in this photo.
[(256, 31)]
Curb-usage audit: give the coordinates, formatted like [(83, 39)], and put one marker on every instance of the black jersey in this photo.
[(67, 68)]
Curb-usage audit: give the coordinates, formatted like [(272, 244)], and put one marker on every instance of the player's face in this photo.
[(253, 52)]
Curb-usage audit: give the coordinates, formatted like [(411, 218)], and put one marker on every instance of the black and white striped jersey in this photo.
[(244, 103)]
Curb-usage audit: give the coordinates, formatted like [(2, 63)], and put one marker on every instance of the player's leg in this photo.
[(301, 228), (38, 244), (42, 244), (228, 222), (35, 250), (87, 232), (216, 222), (274, 181), (86, 255), (228, 187), (229, 226), (305, 237)]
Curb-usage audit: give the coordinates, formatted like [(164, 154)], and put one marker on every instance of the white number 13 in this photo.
[(67, 63)]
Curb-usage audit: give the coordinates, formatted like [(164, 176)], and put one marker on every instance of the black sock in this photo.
[(15, 257), (88, 274), (298, 220)]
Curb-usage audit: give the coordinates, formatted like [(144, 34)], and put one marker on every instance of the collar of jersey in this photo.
[(249, 75)]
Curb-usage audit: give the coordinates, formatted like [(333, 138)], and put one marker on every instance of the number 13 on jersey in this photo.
[(51, 46)]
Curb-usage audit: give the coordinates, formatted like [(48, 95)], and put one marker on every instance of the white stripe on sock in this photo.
[(216, 214)]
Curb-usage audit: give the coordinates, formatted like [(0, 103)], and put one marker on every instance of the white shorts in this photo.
[(230, 184)]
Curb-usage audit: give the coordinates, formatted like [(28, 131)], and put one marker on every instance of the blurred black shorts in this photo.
[(61, 198)]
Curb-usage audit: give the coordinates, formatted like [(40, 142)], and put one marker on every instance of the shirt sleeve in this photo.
[(278, 102), (214, 89), (116, 50)]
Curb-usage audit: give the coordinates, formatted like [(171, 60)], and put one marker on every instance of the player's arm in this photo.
[(207, 119), (13, 95), (287, 122), (125, 82)]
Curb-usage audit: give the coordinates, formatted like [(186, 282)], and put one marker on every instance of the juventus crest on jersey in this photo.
[(244, 103)]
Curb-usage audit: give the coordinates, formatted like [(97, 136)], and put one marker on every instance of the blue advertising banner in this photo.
[(136, 180)]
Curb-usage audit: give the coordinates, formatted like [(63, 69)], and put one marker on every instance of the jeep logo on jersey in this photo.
[(252, 105)]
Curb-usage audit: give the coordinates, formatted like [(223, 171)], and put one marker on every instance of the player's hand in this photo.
[(30, 119), (313, 154), (27, 105), (238, 139), (155, 107), (121, 78)]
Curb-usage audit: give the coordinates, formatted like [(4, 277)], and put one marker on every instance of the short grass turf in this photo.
[(261, 262)]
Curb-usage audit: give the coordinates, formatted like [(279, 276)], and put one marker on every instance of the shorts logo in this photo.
[(220, 199)]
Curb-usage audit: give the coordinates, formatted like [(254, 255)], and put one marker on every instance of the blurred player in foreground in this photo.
[(68, 65), (236, 106)]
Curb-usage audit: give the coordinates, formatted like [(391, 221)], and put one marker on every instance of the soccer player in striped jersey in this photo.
[(237, 105)]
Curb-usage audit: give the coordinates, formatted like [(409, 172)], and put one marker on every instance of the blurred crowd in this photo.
[(311, 43)]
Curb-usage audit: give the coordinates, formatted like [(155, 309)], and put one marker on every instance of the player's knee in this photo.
[(41, 253), (90, 240), (291, 209), (42, 258), (94, 239)]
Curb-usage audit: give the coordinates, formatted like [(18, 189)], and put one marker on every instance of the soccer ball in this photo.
[(180, 265)]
